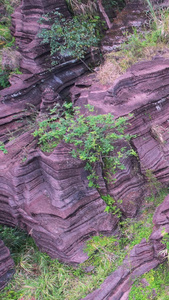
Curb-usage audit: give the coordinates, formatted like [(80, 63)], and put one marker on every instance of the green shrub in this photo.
[(111, 205), (93, 138), (72, 37), (4, 76)]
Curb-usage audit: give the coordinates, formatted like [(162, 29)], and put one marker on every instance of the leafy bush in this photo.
[(111, 205), (73, 37), (93, 138), (4, 76)]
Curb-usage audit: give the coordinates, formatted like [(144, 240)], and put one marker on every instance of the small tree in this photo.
[(94, 139)]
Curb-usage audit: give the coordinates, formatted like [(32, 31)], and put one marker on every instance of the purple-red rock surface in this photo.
[(6, 265), (47, 193)]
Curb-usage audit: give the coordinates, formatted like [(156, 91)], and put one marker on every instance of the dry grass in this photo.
[(10, 59), (109, 71), (79, 7), (117, 63)]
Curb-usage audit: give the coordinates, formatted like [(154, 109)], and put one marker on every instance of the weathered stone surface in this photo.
[(143, 91), (161, 220), (6, 265), (47, 193), (142, 258), (50, 199), (117, 285), (133, 15), (28, 89)]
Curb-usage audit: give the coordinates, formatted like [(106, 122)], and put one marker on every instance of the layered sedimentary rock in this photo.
[(28, 89), (47, 194), (50, 199), (144, 92), (117, 286), (142, 258), (6, 265), (132, 16)]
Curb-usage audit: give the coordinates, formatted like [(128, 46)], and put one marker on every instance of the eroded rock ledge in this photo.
[(142, 258), (48, 194)]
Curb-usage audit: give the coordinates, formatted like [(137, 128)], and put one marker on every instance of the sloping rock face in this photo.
[(25, 26), (27, 89), (142, 91), (117, 285), (6, 265), (47, 194), (133, 15), (142, 258)]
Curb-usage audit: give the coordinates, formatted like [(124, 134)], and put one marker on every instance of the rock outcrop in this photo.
[(47, 194), (117, 286), (27, 89), (142, 91), (142, 258), (6, 265), (132, 16)]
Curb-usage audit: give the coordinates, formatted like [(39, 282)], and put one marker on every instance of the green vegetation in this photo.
[(139, 46), (95, 8), (152, 183), (111, 205), (15, 239), (153, 285), (91, 7), (5, 20), (70, 37), (4, 76), (93, 139), (8, 54), (2, 148), (79, 35), (38, 276)]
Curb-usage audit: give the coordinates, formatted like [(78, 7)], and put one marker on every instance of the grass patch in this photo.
[(138, 47), (39, 277), (152, 285)]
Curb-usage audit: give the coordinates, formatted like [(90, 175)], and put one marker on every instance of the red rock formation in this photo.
[(117, 285), (6, 265), (51, 200), (142, 258), (28, 88), (133, 15), (142, 91), (47, 193)]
